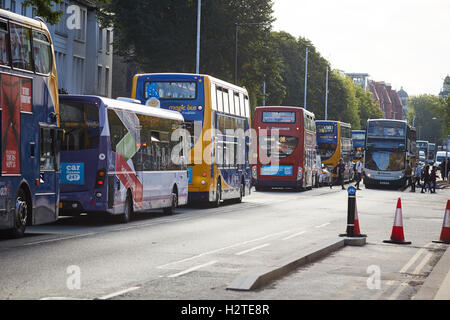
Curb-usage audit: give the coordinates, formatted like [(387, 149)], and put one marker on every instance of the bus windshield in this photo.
[(177, 90), (286, 146), (359, 136), (385, 160), (326, 149), (386, 129), (81, 124)]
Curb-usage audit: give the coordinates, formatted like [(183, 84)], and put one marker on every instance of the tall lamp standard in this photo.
[(237, 24), (197, 64), (306, 76)]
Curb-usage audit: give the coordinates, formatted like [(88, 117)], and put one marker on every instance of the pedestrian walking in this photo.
[(426, 178), (340, 171), (417, 174), (409, 177), (358, 172), (433, 176)]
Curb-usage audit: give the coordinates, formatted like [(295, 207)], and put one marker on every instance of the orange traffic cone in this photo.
[(397, 230), (445, 234)]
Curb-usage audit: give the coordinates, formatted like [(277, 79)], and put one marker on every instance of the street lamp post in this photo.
[(197, 65), (306, 76), (236, 45), (326, 96)]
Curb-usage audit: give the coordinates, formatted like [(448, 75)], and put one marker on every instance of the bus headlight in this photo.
[(299, 173), (203, 182)]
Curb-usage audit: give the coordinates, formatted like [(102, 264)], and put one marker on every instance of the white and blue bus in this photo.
[(29, 146), (390, 144), (116, 157)]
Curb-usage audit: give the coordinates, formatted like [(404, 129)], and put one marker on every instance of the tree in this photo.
[(367, 106), (44, 9), (421, 114), (160, 36)]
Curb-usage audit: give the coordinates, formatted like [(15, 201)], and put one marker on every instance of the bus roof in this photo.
[(192, 75), (293, 108), (128, 106), (390, 120), (333, 121), (34, 23)]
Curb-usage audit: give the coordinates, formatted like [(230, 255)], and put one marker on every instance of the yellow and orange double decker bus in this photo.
[(334, 141), (217, 117)]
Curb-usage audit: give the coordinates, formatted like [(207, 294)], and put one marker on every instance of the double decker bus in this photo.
[(116, 157), (285, 144), (390, 144), (358, 143), (29, 161), (217, 116), (423, 145), (334, 141)]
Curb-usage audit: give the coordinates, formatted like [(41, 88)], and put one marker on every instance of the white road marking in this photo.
[(253, 249), (323, 225), (118, 293), (223, 248), (294, 235), (423, 263), (414, 258), (191, 269)]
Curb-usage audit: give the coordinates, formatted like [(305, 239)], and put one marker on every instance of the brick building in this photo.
[(387, 99)]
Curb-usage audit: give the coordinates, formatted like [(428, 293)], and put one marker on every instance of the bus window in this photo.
[(213, 97), (247, 108), (225, 101), (47, 149), (81, 124), (237, 110), (4, 44), (42, 53), (230, 96), (21, 47), (219, 99), (179, 90)]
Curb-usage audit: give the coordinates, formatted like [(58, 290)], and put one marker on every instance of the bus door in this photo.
[(46, 185)]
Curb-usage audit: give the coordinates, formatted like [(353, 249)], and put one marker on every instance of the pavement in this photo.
[(437, 285)]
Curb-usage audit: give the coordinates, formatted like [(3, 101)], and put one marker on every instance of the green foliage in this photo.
[(44, 9), (422, 110)]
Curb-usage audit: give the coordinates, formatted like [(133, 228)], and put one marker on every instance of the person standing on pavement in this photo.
[(417, 173), (408, 176), (340, 171), (426, 178), (433, 176), (359, 170)]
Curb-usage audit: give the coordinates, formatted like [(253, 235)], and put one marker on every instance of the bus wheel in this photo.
[(174, 204), (241, 193), (216, 203), (20, 215), (125, 217)]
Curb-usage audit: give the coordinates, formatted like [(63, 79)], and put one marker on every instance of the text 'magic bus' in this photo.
[(29, 143), (217, 115)]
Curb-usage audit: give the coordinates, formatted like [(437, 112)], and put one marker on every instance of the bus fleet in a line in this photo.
[(179, 138)]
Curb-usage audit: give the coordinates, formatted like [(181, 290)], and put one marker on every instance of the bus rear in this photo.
[(285, 146), (358, 143), (83, 155)]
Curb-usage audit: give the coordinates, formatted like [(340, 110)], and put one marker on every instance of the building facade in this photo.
[(387, 99), (83, 50), (361, 79), (403, 95)]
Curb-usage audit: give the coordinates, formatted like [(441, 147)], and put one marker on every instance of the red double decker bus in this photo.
[(285, 146)]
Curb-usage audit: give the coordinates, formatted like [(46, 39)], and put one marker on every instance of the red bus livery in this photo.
[(286, 140)]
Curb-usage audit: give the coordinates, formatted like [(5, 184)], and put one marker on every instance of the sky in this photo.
[(403, 42)]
